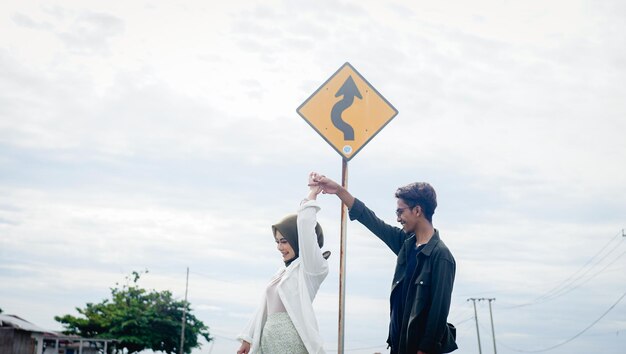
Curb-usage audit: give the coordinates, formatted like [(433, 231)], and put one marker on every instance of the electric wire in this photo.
[(458, 313), (569, 279), (463, 321), (569, 339), (580, 276), (573, 287), (569, 283)]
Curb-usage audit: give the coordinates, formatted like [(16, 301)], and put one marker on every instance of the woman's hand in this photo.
[(245, 348), (314, 187), (327, 185)]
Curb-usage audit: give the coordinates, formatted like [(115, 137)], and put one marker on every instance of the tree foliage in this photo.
[(139, 319)]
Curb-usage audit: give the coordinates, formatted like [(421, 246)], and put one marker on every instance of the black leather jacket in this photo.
[(424, 317)]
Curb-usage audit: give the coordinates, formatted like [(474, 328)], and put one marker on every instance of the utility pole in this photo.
[(480, 351), (493, 333), (182, 331)]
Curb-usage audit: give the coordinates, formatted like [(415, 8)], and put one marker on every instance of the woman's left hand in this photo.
[(314, 188)]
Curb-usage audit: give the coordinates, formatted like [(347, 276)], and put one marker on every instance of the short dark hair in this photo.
[(422, 194)]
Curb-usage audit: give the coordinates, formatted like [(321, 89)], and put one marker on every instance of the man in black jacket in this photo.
[(424, 276)]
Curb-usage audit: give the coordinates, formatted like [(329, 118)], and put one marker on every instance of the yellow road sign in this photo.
[(347, 111)]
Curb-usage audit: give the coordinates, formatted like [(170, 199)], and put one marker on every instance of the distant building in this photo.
[(18, 336)]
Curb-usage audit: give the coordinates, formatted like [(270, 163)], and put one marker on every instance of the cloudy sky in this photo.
[(162, 135)]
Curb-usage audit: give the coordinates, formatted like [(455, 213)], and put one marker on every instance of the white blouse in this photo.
[(274, 303)]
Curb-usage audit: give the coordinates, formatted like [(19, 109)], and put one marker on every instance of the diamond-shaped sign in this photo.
[(347, 111)]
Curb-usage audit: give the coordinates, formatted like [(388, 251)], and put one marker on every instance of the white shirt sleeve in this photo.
[(310, 252)]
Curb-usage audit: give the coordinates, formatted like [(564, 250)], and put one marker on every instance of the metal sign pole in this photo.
[(342, 260)]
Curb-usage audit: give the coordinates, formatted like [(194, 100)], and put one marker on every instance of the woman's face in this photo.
[(284, 247)]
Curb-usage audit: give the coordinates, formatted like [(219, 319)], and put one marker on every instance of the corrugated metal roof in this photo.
[(20, 323)]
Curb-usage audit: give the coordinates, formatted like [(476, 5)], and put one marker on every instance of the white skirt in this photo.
[(279, 336)]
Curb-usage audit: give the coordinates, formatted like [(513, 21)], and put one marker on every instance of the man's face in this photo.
[(407, 216), (284, 247)]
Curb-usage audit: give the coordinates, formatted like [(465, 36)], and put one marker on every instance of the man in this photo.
[(425, 268)]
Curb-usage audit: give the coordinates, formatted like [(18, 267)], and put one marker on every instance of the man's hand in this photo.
[(314, 189), (327, 185), (421, 352), (245, 348)]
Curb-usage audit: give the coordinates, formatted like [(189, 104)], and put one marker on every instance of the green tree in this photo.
[(139, 319)]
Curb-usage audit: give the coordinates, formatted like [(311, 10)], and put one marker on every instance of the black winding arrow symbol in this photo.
[(348, 90)]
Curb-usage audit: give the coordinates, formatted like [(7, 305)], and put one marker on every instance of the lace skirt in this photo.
[(279, 336)]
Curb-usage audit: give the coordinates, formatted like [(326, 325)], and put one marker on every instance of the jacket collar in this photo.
[(428, 249)]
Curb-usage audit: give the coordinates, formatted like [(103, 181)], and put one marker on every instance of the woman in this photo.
[(285, 321)]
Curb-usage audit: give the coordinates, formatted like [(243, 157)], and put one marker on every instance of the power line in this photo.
[(573, 287), (573, 337), (570, 278), (456, 313), (565, 290), (463, 321), (569, 283)]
